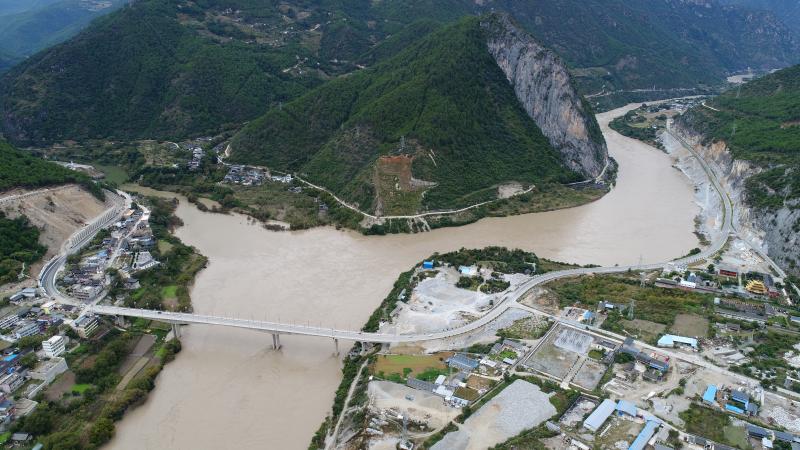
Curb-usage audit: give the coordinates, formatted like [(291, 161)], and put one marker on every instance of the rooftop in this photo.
[(647, 432), (711, 394), (599, 415), (626, 407), (669, 340)]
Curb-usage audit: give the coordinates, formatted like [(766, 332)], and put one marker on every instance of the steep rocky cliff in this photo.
[(544, 87), (774, 229), (470, 107), (752, 133)]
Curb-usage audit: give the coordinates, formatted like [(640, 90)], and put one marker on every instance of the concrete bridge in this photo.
[(276, 329)]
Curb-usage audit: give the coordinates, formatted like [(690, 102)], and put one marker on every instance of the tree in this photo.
[(102, 431), (63, 440), (28, 361), (31, 342), (711, 268), (39, 422)]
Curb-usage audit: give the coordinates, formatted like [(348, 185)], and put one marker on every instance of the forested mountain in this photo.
[(20, 169), (172, 68), (753, 133), (29, 26), (787, 10), (623, 44), (439, 118), (760, 123)]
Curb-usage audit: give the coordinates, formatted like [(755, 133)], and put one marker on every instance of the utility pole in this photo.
[(630, 309)]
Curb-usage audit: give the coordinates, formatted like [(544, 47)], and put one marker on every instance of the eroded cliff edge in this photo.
[(544, 87)]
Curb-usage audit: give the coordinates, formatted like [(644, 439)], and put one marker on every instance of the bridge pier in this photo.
[(336, 347), (276, 341), (176, 331)]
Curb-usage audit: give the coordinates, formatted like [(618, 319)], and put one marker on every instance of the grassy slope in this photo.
[(766, 113), (445, 92)]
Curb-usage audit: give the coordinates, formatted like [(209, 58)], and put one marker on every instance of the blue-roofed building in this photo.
[(644, 436), (463, 362), (626, 407), (741, 398), (733, 408), (671, 340), (427, 264), (598, 417), (710, 396)]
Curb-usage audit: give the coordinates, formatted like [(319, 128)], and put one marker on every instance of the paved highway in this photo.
[(47, 276), (508, 301)]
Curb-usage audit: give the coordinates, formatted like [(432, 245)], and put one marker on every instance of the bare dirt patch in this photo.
[(552, 360), (61, 386), (509, 190), (589, 374), (541, 298), (398, 191), (425, 406), (58, 214)]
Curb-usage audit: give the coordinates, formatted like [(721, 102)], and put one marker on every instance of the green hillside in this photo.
[(19, 169), (619, 44), (168, 69), (139, 72), (19, 244), (766, 117), (443, 102)]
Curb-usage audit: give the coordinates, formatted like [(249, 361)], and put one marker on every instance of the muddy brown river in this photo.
[(228, 389)]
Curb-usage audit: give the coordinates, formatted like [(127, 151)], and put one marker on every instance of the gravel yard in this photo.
[(520, 406), (589, 374), (425, 406)]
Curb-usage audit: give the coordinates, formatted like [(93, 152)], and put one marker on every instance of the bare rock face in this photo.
[(772, 229), (544, 87)]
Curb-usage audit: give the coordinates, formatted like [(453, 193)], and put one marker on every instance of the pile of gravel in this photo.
[(520, 406)]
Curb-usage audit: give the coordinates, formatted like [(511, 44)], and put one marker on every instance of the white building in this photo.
[(47, 371), (54, 346)]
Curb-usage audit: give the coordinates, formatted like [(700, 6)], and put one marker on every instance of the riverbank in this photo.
[(337, 278)]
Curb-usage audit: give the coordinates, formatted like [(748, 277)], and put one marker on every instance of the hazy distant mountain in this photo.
[(29, 26), (171, 68), (787, 10)]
